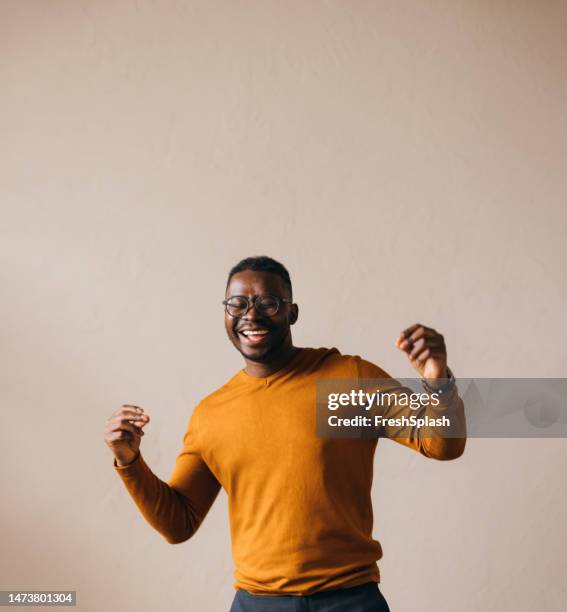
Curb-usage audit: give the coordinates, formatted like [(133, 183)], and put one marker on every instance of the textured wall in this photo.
[(405, 160)]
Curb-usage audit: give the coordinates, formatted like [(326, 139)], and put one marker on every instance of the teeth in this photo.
[(255, 332)]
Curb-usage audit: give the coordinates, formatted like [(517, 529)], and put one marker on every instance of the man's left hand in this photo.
[(425, 349)]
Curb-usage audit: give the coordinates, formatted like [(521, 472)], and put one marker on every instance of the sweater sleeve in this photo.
[(437, 442), (177, 507)]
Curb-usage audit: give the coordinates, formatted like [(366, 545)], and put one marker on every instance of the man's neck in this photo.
[(262, 370)]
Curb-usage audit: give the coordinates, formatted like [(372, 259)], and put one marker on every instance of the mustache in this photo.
[(256, 325)]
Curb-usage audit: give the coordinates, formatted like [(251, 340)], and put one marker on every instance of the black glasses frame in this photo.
[(252, 302)]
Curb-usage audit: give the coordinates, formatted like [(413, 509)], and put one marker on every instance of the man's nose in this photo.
[(252, 313)]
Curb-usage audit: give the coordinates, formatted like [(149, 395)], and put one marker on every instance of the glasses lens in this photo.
[(236, 306), (267, 305)]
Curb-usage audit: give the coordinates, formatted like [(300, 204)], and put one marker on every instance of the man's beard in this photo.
[(266, 356)]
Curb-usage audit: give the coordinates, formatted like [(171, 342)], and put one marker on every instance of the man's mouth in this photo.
[(255, 336)]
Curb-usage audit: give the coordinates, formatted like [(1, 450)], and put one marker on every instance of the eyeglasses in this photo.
[(266, 305)]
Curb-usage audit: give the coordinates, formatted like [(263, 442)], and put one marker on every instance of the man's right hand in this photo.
[(124, 432)]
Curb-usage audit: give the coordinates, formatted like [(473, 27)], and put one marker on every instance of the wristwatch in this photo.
[(440, 390)]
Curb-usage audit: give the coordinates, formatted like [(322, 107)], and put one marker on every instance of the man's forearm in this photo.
[(445, 442), (419, 429), (165, 508)]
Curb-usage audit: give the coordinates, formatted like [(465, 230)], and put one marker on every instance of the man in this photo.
[(299, 504)]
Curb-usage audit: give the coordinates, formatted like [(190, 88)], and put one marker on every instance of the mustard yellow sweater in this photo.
[(300, 507)]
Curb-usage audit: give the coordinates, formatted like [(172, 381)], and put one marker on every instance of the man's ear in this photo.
[(294, 313)]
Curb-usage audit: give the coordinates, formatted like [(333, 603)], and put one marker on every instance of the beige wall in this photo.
[(405, 160)]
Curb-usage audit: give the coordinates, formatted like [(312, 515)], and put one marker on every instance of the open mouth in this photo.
[(254, 336)]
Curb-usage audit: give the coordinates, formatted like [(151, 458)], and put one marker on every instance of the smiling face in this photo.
[(260, 338)]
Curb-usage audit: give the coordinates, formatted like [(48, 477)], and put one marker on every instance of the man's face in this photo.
[(260, 347)]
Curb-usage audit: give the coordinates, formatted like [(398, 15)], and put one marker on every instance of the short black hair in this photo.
[(262, 263)]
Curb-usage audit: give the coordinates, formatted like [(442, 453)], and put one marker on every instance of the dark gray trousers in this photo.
[(364, 598)]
